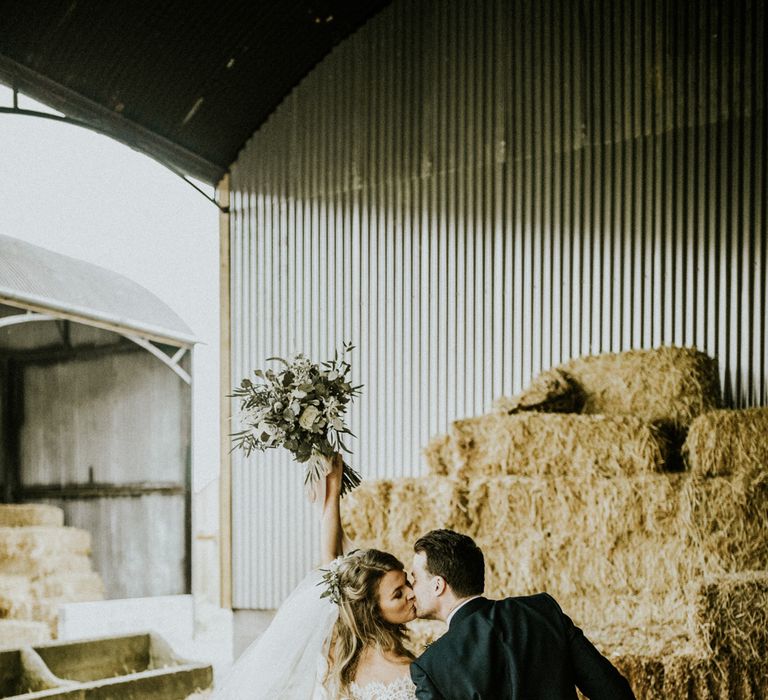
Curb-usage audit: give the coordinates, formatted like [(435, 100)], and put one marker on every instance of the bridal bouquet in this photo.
[(300, 407)]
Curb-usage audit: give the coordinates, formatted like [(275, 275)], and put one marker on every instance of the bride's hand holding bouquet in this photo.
[(301, 407)]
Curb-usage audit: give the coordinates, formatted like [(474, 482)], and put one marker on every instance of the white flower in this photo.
[(308, 417), (336, 423), (254, 414)]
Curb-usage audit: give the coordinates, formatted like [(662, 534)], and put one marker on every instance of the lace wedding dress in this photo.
[(289, 660), (401, 689)]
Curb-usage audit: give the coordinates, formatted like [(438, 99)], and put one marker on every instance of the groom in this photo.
[(513, 649)]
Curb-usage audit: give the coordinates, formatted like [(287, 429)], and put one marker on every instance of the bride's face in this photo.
[(396, 601)]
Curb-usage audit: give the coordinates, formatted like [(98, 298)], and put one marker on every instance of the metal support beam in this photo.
[(36, 492), (24, 318), (160, 355), (96, 116), (171, 362), (85, 125), (225, 383)]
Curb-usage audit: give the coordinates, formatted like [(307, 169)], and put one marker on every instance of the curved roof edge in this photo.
[(41, 280)]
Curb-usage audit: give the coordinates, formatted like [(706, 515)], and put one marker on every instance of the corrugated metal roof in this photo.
[(40, 279), (187, 83)]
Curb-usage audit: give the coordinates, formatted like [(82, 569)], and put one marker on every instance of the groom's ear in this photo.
[(439, 585)]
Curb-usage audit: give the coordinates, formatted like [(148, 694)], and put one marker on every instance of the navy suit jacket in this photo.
[(522, 648)]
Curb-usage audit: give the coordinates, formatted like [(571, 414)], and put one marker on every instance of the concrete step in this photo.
[(70, 587)]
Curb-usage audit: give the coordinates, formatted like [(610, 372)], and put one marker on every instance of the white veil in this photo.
[(288, 661)]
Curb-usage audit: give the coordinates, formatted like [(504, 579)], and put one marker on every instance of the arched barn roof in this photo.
[(37, 279), (187, 83)]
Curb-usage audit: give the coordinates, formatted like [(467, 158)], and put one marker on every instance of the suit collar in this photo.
[(467, 609)]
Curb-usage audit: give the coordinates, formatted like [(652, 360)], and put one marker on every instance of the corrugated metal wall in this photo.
[(475, 191)]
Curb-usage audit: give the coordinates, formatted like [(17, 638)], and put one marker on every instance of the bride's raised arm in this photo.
[(331, 530)]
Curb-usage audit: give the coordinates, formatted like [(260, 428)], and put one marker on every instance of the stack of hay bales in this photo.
[(42, 565), (658, 565)]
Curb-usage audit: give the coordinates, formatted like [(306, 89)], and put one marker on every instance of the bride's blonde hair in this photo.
[(360, 622)]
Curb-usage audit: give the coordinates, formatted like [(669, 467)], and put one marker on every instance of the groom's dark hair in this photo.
[(456, 558)]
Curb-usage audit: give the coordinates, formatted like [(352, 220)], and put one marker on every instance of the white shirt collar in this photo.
[(457, 608)]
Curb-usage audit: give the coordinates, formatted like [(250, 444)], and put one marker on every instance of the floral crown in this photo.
[(331, 578)]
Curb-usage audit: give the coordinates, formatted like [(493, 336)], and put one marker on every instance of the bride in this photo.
[(340, 634)]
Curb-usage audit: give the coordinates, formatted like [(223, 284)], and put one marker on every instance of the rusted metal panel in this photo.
[(475, 191)]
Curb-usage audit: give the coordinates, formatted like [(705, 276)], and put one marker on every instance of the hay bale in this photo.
[(14, 586), (663, 663), (609, 549), (725, 520), (30, 514), (418, 505), (731, 614), (52, 540), (574, 506), (72, 587), (516, 568), (38, 551), (17, 633), (552, 391), (645, 675), (666, 385), (594, 599), (692, 677), (535, 444), (12, 590), (422, 633), (392, 515), (45, 611), (364, 511), (724, 443), (658, 641), (34, 566), (440, 456)]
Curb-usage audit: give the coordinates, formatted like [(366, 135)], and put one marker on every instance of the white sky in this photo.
[(76, 192)]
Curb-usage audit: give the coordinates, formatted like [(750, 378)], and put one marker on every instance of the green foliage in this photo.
[(300, 407)]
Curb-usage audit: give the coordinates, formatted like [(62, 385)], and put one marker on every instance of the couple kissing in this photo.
[(342, 635)]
